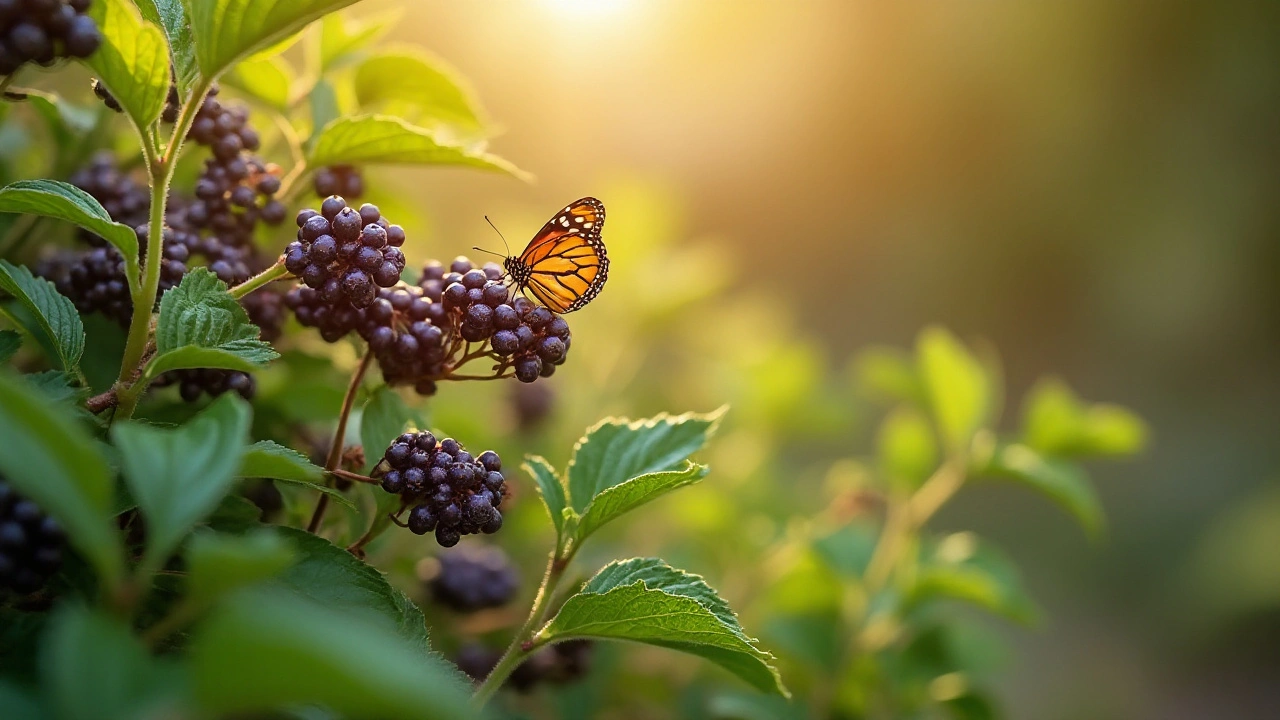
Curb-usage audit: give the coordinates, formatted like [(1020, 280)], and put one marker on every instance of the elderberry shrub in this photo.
[(31, 543), (343, 180), (559, 664), (345, 254), (44, 31), (403, 329), (473, 578), (445, 488)]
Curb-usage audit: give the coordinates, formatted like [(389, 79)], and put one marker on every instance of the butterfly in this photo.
[(564, 265)]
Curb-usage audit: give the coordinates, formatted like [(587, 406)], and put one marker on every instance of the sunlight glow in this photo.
[(589, 9)]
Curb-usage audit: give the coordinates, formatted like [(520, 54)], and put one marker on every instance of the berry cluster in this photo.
[(449, 490), (402, 328), (44, 31), (31, 543), (172, 103), (473, 578), (345, 254), (225, 130), (124, 199), (343, 180), (196, 382), (559, 664)]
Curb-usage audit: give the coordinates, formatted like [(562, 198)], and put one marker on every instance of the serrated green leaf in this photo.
[(645, 600), (906, 449), (171, 17), (10, 341), (410, 78), (50, 318), (386, 140), (219, 563), (241, 355), (133, 60), (384, 418), (1056, 422), (202, 325), (226, 31), (1063, 482), (60, 468), (615, 450), (551, 488), (613, 502), (337, 658), (961, 567), (266, 459), (58, 387), (267, 79), (179, 475), (956, 385), (63, 201), (342, 35)]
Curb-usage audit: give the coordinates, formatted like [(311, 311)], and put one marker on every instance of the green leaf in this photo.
[(133, 60), (614, 451), (171, 17), (10, 341), (50, 318), (62, 201), (906, 448), (386, 140), (219, 563), (66, 122), (59, 467), (887, 374), (960, 567), (179, 475), (342, 35), (551, 488), (266, 459), (628, 495), (383, 419), (94, 669), (956, 384), (335, 657), (1056, 422), (268, 79), (848, 550), (1063, 482), (229, 30), (58, 387), (19, 704), (202, 326), (407, 77), (645, 600), (323, 101)]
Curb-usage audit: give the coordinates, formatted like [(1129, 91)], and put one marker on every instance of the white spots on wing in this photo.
[(578, 219), (586, 225)]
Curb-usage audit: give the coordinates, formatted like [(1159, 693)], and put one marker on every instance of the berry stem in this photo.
[(275, 272), (339, 435), (354, 477)]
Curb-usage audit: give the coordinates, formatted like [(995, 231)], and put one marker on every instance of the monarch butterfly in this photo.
[(564, 265)]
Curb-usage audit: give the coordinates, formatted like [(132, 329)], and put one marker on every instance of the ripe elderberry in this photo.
[(44, 31), (124, 199), (473, 578), (343, 180), (403, 329), (559, 664), (445, 488), (31, 543), (345, 254)]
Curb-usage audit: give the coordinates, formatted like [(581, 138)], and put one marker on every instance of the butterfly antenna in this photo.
[(495, 229)]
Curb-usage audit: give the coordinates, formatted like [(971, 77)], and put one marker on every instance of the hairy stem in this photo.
[(339, 435), (273, 273)]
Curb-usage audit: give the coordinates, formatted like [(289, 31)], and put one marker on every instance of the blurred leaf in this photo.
[(550, 488), (408, 76), (888, 374), (19, 705), (58, 387), (202, 326), (615, 450), (1056, 422), (268, 79), (133, 60), (1063, 482), (343, 35), (383, 420), (386, 140), (61, 470), (229, 30), (813, 637), (613, 502), (907, 450), (849, 549), (10, 341), (62, 201), (960, 567), (266, 459), (48, 316), (179, 475), (740, 706), (956, 384), (171, 17), (65, 120), (1232, 572), (645, 600), (971, 706), (218, 563), (235, 514), (323, 100), (264, 650)]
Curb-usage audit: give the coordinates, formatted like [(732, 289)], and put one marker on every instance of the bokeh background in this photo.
[(1089, 186)]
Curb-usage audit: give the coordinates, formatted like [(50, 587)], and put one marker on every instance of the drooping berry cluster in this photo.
[(213, 382), (124, 199), (31, 543), (94, 280), (559, 664), (43, 31), (343, 180), (473, 578), (223, 129), (444, 487), (345, 254)]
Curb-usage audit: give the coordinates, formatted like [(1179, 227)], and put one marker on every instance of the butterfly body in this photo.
[(564, 265)]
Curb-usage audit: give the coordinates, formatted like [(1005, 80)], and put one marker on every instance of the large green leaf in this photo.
[(343, 35), (386, 140), (133, 61), (407, 77), (49, 317), (54, 199), (1062, 481), (201, 325), (53, 461), (271, 649), (179, 475), (384, 417), (551, 488), (228, 30), (171, 17), (218, 563), (268, 79), (266, 459), (628, 495), (645, 600), (614, 451), (957, 386), (1056, 422)]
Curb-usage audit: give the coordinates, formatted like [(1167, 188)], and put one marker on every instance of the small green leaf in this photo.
[(133, 60), (49, 317), (268, 79), (887, 374), (407, 77), (229, 30), (848, 550), (62, 201), (960, 567), (628, 495), (10, 341), (614, 451), (65, 121), (957, 386), (201, 325), (337, 658), (1056, 422), (218, 563), (386, 140), (1063, 482), (551, 488), (60, 468), (58, 387), (179, 475), (266, 459), (323, 101), (342, 35), (907, 450), (171, 17), (384, 418), (645, 600)]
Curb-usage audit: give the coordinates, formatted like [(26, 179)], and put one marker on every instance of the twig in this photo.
[(339, 435)]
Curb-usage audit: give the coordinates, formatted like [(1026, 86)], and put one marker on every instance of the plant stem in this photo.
[(339, 435), (354, 477), (275, 272)]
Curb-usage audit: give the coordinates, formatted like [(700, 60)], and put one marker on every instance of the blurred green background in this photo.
[(1090, 186)]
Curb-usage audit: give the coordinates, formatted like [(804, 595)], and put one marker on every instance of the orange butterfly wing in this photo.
[(566, 260)]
